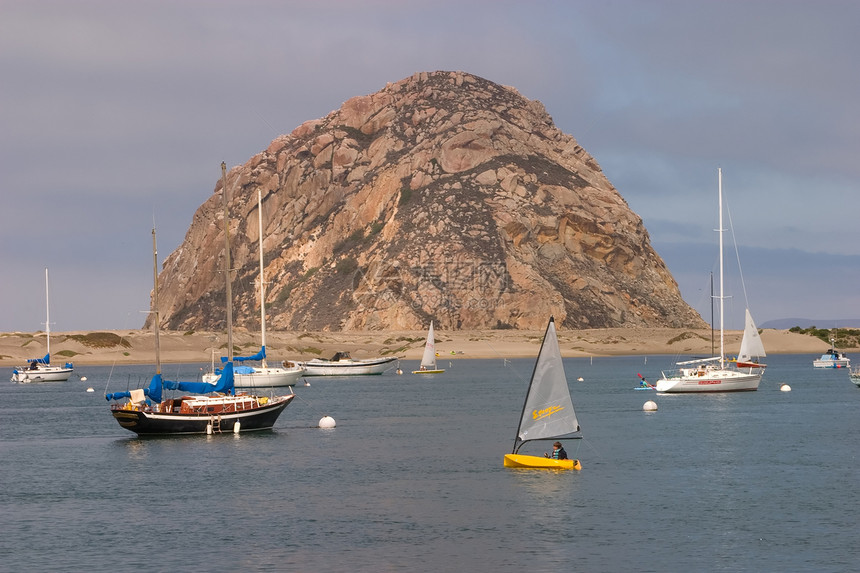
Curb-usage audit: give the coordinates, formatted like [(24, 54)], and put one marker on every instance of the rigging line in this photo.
[(737, 254), (308, 402), (584, 440), (114, 363), (506, 361)]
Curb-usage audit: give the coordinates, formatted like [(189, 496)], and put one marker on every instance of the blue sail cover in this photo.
[(258, 356), (224, 384), (45, 360), (153, 391)]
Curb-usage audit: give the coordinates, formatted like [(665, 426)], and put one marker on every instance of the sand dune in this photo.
[(138, 346)]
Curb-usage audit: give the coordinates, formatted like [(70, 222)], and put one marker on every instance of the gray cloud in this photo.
[(115, 114)]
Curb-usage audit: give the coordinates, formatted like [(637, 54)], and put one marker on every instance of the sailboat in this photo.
[(716, 374), (211, 407), (548, 412), (428, 360), (41, 369), (752, 348), (262, 376)]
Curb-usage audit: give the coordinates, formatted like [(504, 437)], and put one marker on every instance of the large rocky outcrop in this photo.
[(443, 196)]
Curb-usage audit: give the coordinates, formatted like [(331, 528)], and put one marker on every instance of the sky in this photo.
[(115, 116)]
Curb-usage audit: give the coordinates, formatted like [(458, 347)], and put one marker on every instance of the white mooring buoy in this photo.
[(784, 388), (327, 422), (90, 390), (650, 406), (83, 378)]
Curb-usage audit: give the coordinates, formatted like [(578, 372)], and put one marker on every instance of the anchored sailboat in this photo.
[(41, 369), (548, 412), (716, 374), (214, 407), (262, 376), (428, 360)]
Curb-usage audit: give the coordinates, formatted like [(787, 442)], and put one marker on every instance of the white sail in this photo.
[(548, 410), (751, 345), (428, 361)]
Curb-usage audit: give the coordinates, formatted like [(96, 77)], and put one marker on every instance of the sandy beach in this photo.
[(138, 346)]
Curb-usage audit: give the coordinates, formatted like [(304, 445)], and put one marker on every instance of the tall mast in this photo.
[(47, 316), (262, 282), (720, 201), (155, 302), (712, 314), (227, 264)]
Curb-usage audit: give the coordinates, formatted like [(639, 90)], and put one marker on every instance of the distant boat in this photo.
[(644, 384), (212, 408), (262, 376), (41, 369), (716, 374), (428, 360), (342, 364), (854, 374), (548, 412), (832, 358)]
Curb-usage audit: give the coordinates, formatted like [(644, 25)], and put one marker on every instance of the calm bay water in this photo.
[(411, 479)]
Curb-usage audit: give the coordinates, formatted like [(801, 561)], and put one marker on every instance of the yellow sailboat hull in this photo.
[(541, 463), (428, 371)]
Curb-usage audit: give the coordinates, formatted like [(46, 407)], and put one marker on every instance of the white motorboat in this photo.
[(342, 364), (832, 358)]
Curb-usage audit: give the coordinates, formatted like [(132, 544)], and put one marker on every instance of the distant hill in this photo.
[(786, 323)]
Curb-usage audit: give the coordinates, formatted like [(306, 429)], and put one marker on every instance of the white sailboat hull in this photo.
[(350, 367), (714, 380), (268, 378), (262, 377), (42, 374)]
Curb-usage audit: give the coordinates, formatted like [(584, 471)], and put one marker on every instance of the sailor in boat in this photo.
[(558, 452)]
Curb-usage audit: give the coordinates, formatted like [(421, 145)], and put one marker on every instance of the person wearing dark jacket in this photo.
[(558, 452)]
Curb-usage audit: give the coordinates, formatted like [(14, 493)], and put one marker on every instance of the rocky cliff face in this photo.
[(443, 196)]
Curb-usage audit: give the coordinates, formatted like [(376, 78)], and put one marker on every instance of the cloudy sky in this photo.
[(117, 114)]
